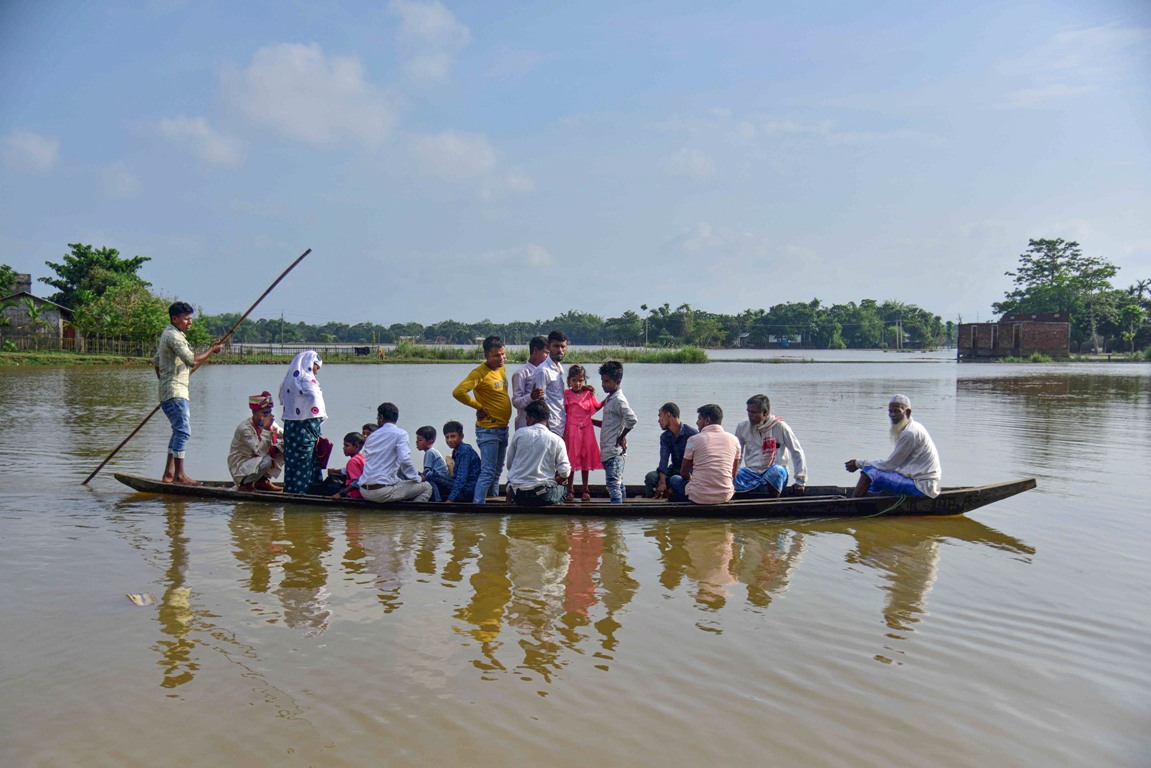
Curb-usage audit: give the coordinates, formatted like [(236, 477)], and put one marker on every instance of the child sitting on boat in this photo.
[(353, 442), (466, 461), (435, 468)]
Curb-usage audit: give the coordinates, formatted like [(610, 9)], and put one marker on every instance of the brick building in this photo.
[(1020, 335)]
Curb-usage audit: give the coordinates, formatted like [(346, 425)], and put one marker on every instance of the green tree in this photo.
[(1131, 318), (1055, 276), (7, 280), (86, 273), (626, 329), (126, 310)]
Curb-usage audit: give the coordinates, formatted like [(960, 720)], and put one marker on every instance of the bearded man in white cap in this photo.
[(912, 469), (256, 454)]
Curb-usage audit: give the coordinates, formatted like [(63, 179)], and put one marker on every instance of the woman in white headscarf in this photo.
[(303, 413)]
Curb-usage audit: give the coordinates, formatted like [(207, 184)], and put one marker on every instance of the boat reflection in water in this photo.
[(524, 596)]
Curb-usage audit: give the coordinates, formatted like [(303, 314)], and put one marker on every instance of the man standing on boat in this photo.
[(389, 474), (486, 390), (522, 379), (174, 361), (912, 469), (710, 461), (769, 447), (538, 464), (256, 454), (548, 382)]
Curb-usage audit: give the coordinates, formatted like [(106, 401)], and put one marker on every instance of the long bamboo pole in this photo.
[(222, 339)]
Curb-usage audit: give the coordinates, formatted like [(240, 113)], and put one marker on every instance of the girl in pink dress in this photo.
[(579, 434)]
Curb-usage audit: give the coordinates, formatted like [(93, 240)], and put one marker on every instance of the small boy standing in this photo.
[(618, 419), (435, 468), (353, 442), (467, 462)]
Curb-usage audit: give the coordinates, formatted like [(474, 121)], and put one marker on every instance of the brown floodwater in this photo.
[(291, 635)]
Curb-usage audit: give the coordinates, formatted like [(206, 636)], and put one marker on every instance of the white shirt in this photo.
[(387, 457), (535, 456), (914, 456), (788, 451), (550, 377), (522, 391), (617, 414)]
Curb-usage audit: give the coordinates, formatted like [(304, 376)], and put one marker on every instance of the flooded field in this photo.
[(303, 636)]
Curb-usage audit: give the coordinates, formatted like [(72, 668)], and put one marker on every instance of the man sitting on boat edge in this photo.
[(389, 474), (710, 461), (255, 456), (913, 467), (769, 447)]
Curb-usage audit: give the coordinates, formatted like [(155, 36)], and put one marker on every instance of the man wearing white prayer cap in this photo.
[(912, 469)]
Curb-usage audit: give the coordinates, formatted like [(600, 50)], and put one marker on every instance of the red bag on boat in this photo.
[(323, 452)]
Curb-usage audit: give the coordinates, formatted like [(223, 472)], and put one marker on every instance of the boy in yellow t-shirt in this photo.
[(486, 390)]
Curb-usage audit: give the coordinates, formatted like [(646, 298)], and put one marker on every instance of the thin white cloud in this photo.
[(197, 137), (431, 36), (511, 182), (527, 256), (511, 63), (1033, 98), (688, 162), (119, 183), (455, 156), (1073, 63), (27, 151), (311, 97)]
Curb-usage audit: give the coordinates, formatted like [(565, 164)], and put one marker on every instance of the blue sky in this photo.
[(512, 161)]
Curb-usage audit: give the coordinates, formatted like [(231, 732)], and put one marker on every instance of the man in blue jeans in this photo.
[(486, 390), (174, 362)]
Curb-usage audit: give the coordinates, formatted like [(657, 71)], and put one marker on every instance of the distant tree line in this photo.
[(109, 299), (867, 325)]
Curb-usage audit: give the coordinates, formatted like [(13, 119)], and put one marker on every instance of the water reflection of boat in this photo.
[(716, 557), (819, 501)]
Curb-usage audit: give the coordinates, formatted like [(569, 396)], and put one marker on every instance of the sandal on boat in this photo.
[(585, 497)]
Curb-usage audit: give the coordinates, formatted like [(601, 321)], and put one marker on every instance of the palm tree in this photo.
[(1139, 288), (35, 315)]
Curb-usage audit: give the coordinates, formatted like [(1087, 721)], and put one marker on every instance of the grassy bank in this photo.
[(403, 353), (68, 358)]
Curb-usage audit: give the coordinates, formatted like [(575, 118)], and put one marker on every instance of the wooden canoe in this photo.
[(817, 502)]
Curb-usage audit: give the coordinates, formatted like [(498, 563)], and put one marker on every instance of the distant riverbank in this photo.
[(427, 354), (400, 354)]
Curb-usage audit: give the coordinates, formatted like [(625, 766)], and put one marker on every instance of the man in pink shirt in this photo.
[(710, 461)]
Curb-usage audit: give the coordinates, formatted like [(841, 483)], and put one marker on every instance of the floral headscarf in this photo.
[(300, 393)]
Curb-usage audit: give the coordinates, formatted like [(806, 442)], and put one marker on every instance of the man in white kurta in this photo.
[(913, 467), (255, 456)]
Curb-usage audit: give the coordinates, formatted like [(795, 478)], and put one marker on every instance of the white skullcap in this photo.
[(901, 399)]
